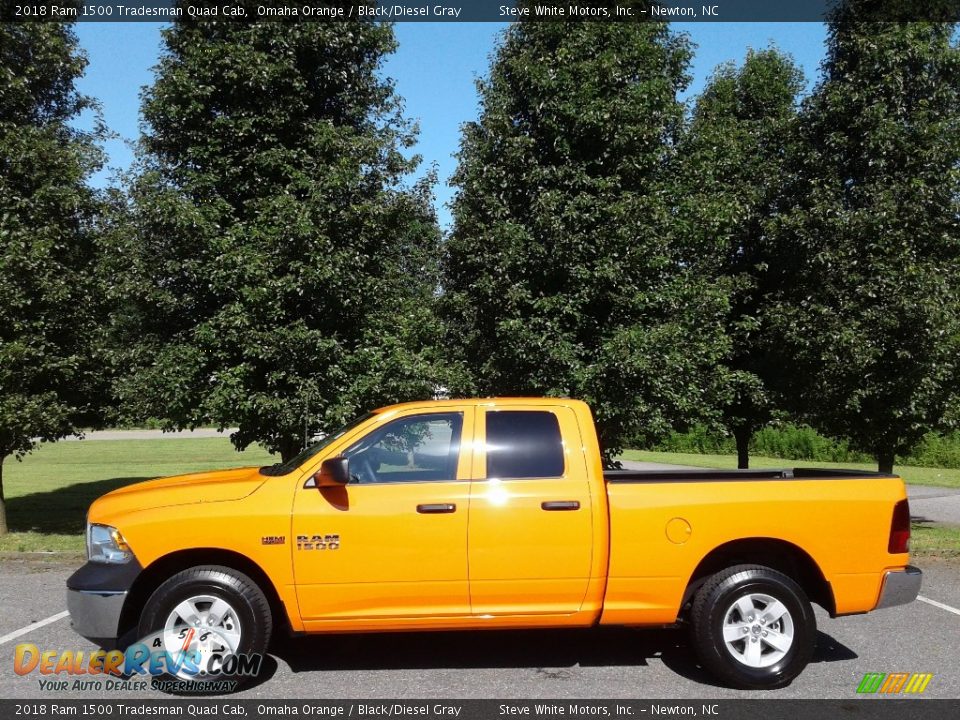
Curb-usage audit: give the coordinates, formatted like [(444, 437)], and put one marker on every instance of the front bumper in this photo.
[(96, 615), (900, 587), (96, 594)]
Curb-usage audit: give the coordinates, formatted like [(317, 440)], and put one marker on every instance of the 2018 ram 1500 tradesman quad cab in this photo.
[(496, 513)]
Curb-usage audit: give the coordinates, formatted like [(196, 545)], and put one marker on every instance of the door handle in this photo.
[(436, 508), (561, 505)]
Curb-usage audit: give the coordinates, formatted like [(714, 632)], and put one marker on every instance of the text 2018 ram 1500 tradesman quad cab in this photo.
[(496, 513)]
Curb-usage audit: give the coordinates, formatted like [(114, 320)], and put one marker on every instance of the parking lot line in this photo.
[(940, 605), (33, 626), (59, 616)]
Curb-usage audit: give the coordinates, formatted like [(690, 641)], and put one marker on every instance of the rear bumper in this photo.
[(900, 587)]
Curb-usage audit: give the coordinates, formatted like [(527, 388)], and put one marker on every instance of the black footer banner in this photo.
[(874, 708)]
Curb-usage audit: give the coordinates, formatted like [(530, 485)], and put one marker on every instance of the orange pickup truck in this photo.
[(496, 513)]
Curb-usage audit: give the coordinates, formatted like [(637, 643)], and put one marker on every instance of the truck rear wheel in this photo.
[(224, 602), (753, 627)]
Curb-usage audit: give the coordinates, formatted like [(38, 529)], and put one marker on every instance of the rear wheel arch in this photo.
[(780, 555)]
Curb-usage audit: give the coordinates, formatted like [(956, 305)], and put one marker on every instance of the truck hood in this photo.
[(205, 487)]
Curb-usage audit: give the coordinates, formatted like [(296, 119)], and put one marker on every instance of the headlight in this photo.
[(105, 544)]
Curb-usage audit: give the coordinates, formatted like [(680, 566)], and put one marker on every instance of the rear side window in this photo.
[(523, 444)]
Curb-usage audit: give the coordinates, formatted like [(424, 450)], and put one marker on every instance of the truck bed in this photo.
[(664, 523), (702, 475)]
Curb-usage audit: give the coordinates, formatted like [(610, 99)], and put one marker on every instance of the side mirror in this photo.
[(333, 472)]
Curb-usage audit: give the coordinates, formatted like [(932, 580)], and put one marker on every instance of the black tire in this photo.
[(251, 610), (753, 663)]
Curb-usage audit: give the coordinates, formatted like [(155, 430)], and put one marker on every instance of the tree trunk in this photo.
[(3, 503), (885, 462), (742, 435), (289, 450)]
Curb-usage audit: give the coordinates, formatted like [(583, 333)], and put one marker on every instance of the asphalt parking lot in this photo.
[(602, 663)]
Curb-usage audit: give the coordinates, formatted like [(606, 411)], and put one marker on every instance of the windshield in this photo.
[(295, 462)]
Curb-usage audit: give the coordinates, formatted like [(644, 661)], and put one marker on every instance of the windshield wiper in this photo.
[(273, 470)]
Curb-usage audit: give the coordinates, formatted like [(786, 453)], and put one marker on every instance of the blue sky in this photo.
[(434, 67)]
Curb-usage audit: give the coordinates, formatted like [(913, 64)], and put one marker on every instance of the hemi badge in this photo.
[(273, 539)]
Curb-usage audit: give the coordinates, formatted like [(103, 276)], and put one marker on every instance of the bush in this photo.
[(697, 440), (936, 450), (801, 442)]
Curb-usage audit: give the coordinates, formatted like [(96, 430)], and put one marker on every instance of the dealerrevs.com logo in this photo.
[(188, 660)]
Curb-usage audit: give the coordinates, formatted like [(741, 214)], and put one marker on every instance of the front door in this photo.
[(392, 543)]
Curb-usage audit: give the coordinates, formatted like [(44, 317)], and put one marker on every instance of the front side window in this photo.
[(279, 469), (417, 448), (523, 444)]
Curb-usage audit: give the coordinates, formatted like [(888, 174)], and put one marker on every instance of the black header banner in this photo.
[(473, 10)]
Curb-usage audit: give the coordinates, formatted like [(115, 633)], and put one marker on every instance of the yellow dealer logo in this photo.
[(894, 683), (181, 659)]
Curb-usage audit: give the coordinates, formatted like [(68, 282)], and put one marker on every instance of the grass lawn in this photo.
[(942, 477), (49, 492), (928, 540)]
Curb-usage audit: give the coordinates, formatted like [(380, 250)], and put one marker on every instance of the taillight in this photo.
[(900, 528)]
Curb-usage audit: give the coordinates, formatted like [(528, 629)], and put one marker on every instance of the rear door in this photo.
[(530, 534)]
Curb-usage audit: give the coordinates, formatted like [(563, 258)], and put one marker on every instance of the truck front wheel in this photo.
[(753, 627), (214, 612)]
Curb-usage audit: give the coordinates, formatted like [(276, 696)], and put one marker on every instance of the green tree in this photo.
[(865, 322), (47, 250), (278, 274), (560, 276), (730, 168)]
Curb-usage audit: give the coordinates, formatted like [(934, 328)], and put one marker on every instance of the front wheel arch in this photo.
[(165, 567)]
